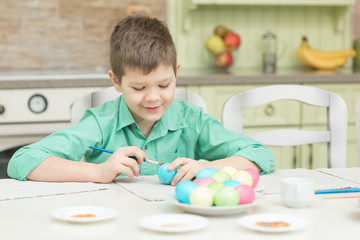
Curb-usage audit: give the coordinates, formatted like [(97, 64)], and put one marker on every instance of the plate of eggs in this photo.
[(226, 192)]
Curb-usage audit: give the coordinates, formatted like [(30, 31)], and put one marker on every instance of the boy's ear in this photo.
[(115, 80), (177, 69)]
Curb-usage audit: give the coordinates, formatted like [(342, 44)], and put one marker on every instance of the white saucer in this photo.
[(174, 222), (84, 213), (269, 222), (216, 210)]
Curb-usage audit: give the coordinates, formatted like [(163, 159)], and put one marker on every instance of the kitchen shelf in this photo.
[(276, 2)]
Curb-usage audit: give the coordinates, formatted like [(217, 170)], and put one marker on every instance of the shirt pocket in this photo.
[(171, 156)]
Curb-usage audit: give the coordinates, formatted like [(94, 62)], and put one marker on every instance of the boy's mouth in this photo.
[(152, 109)]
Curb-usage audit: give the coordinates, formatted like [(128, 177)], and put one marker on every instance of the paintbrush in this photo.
[(133, 157)]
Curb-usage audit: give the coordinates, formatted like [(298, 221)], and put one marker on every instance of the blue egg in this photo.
[(165, 176), (205, 172), (231, 183), (183, 190)]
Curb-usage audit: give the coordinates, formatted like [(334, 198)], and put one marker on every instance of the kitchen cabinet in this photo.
[(288, 114)]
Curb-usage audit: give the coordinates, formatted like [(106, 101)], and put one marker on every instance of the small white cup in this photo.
[(297, 192)]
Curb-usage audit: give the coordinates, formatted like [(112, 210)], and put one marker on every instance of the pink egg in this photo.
[(246, 193), (255, 176), (204, 181)]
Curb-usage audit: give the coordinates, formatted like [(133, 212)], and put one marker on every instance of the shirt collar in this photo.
[(124, 115), (171, 120)]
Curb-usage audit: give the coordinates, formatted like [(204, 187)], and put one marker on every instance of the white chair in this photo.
[(335, 135), (357, 117), (95, 99)]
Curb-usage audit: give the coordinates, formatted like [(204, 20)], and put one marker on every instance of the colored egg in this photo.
[(243, 177), (231, 183), (183, 190), (246, 193), (214, 187), (205, 172), (165, 176), (230, 170), (201, 196), (226, 196), (221, 176), (255, 176), (204, 181)]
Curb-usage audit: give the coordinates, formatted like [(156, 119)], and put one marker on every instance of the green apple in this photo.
[(226, 196), (215, 45), (221, 31)]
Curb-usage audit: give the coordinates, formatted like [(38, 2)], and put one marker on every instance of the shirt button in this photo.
[(146, 147), (130, 127)]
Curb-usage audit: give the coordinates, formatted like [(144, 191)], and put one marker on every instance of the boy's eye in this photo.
[(138, 88), (164, 86)]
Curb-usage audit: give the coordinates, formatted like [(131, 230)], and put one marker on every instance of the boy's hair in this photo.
[(141, 43)]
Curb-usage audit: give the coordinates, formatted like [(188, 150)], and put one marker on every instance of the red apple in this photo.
[(224, 59), (232, 41)]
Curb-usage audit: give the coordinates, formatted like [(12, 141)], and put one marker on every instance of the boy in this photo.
[(145, 121)]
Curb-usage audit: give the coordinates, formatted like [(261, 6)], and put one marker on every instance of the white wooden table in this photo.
[(30, 218)]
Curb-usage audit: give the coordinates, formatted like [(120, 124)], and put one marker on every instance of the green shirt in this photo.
[(183, 131)]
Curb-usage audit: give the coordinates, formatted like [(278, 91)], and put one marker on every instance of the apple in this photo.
[(221, 31), (232, 41), (224, 59), (202, 196), (215, 44), (226, 196)]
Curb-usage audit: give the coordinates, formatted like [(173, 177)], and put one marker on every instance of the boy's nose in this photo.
[(152, 96)]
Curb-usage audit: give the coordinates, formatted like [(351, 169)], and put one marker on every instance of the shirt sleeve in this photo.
[(216, 142), (70, 143)]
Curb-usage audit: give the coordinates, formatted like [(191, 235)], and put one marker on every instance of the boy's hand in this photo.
[(119, 162), (188, 171)]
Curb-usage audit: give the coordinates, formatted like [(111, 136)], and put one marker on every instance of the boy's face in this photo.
[(148, 96)]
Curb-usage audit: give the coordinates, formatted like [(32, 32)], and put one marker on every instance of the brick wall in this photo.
[(62, 34)]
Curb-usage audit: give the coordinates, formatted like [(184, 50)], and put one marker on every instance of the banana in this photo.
[(315, 58)]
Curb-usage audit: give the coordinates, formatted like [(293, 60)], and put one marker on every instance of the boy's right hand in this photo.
[(120, 162)]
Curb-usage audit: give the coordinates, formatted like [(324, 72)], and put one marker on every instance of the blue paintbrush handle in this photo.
[(109, 151), (344, 190)]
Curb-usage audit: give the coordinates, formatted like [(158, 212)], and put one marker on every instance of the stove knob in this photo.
[(2, 109)]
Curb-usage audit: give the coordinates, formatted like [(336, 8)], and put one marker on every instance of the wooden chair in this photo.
[(335, 135), (95, 99)]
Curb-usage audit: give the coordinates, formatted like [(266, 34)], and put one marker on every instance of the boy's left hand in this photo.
[(188, 171)]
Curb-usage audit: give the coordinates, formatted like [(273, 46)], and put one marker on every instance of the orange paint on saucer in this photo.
[(86, 215)]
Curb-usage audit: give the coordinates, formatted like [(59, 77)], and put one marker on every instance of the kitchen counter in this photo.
[(83, 78)]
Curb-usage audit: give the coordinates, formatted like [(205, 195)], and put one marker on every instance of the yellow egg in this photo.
[(243, 177), (230, 170)]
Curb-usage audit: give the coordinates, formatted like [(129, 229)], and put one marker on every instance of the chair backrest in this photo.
[(335, 135), (357, 117), (97, 98)]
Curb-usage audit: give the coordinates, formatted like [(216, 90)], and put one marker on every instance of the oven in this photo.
[(27, 115)]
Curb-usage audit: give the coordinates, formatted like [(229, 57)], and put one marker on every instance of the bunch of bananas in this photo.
[(323, 60)]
